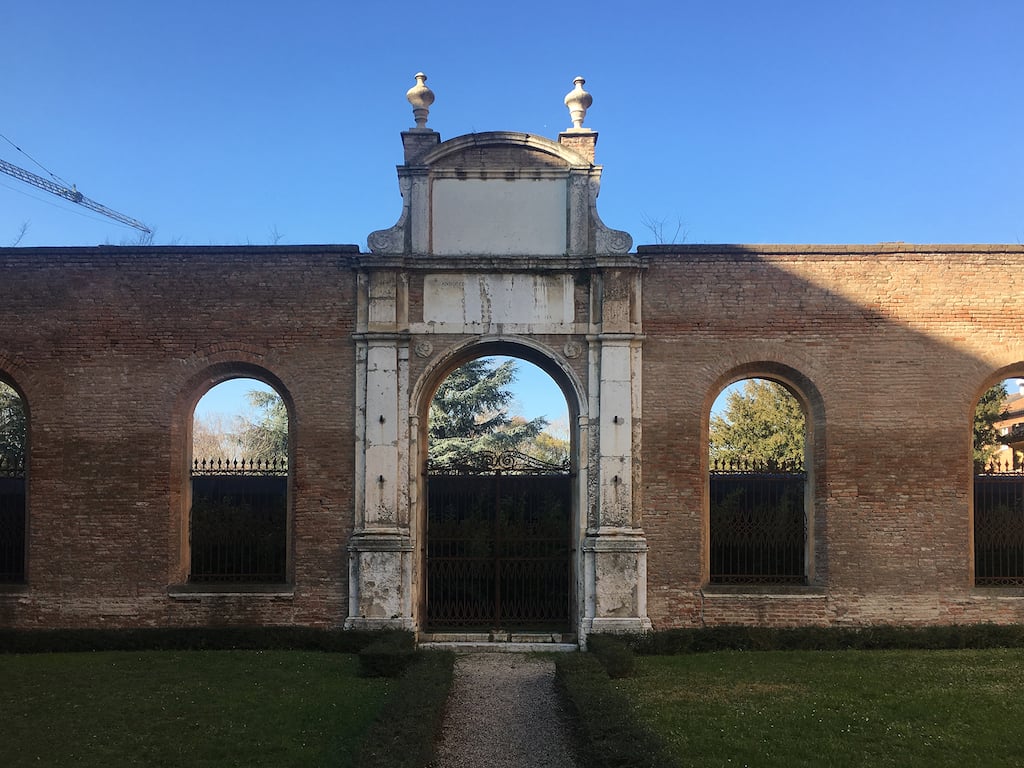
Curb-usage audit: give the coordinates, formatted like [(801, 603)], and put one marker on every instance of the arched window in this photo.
[(13, 456), (758, 521), (999, 485), (238, 521)]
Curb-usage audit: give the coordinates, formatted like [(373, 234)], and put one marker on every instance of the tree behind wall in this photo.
[(986, 414), (261, 435), (469, 414), (12, 427), (762, 424), (264, 437)]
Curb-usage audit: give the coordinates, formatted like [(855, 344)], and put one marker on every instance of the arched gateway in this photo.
[(499, 250), (498, 527)]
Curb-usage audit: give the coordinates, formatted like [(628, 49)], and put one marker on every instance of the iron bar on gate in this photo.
[(758, 523), (238, 521)]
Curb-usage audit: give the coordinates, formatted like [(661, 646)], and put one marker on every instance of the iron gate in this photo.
[(498, 544)]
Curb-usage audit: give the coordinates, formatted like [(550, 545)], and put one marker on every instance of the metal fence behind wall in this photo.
[(12, 522), (238, 522), (758, 526), (999, 529)]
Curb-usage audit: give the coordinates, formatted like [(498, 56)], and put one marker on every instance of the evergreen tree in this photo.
[(986, 414), (762, 424), (469, 413), (12, 427)]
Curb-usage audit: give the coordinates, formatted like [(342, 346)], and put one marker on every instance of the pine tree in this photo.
[(762, 424), (469, 413), (986, 414)]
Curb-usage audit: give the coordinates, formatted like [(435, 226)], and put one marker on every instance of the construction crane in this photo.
[(68, 194)]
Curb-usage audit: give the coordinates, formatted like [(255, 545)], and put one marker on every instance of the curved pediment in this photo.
[(502, 151)]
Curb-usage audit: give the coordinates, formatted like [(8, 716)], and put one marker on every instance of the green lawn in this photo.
[(196, 709), (834, 709)]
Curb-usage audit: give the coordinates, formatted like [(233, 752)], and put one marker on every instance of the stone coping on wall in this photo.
[(196, 591), (764, 590), (123, 250), (734, 250)]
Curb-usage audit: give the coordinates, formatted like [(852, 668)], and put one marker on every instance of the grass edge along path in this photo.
[(406, 730), (607, 732)]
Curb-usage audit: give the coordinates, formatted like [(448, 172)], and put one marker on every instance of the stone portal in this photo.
[(499, 249)]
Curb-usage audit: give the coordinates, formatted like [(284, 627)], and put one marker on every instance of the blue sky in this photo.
[(747, 121), (229, 122)]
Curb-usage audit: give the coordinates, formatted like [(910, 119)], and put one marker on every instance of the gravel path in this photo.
[(503, 711)]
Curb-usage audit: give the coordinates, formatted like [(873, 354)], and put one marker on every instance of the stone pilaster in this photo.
[(380, 550), (615, 549)]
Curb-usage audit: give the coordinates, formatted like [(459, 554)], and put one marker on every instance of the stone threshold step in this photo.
[(499, 641), (496, 636), (503, 647)]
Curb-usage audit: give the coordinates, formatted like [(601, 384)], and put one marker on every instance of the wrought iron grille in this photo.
[(758, 526), (238, 523), (248, 467), (498, 544), (497, 463), (999, 529), (12, 521)]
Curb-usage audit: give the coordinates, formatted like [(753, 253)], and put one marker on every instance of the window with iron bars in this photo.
[(238, 522), (758, 524), (999, 527)]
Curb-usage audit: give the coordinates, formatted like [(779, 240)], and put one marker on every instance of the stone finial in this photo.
[(421, 98), (578, 101)]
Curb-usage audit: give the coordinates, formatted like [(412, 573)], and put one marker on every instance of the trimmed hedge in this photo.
[(609, 735), (733, 638), (614, 653), (406, 730), (388, 656), (188, 639)]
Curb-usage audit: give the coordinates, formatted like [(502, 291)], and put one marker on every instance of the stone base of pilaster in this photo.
[(616, 581), (380, 580)]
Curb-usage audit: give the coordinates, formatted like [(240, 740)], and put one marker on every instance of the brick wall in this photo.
[(890, 348), (111, 349)]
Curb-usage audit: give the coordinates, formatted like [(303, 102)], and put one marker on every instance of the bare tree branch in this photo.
[(21, 234), (658, 231)]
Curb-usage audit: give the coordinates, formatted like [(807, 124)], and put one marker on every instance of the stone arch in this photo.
[(812, 404), (531, 350), (220, 368), (557, 368)]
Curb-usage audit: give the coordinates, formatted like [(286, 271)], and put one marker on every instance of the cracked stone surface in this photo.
[(503, 711)]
